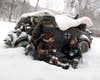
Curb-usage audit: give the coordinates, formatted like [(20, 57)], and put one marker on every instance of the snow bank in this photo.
[(5, 27), (14, 65), (39, 13), (64, 22)]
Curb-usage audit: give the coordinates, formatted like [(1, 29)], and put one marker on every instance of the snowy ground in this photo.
[(14, 65)]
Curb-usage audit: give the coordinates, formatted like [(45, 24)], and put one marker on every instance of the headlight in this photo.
[(84, 37)]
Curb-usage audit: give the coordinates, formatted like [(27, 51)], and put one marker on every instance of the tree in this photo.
[(83, 3), (37, 4), (71, 8), (11, 10)]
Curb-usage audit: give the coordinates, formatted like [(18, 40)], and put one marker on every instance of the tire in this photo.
[(84, 46), (22, 44)]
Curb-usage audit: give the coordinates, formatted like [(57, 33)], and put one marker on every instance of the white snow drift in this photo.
[(63, 21), (14, 65)]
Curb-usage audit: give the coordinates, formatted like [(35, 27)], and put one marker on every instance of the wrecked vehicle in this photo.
[(66, 26)]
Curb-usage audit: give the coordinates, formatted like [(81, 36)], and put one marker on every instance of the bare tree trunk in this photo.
[(11, 10), (83, 3), (71, 8), (23, 7), (24, 1), (37, 5)]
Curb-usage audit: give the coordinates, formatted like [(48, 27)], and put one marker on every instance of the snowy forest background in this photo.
[(11, 10)]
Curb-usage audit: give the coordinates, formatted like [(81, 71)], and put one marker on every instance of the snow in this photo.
[(5, 27), (14, 65), (38, 13), (63, 21)]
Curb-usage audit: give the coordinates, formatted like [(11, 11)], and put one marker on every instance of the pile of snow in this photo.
[(39, 13), (64, 22), (14, 65), (5, 27)]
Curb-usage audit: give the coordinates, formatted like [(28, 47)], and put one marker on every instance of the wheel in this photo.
[(84, 46), (22, 44)]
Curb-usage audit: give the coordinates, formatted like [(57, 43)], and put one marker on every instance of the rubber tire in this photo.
[(84, 46)]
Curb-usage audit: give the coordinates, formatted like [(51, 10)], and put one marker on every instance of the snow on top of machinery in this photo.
[(39, 13), (63, 21)]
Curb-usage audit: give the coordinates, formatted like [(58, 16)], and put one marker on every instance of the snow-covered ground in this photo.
[(14, 65)]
